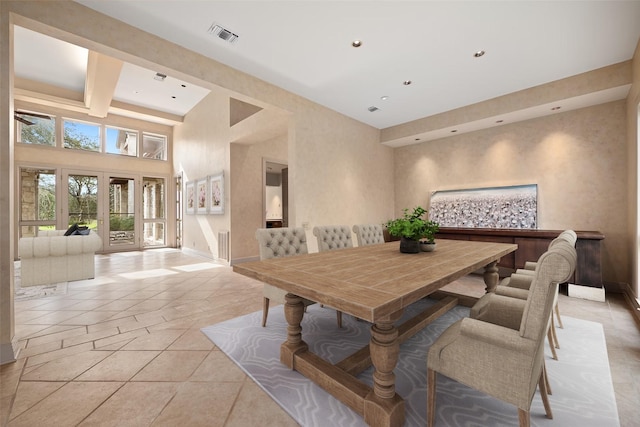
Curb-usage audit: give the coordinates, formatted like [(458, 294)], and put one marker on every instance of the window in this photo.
[(153, 210), (122, 141), (81, 136), (37, 200), (154, 146), (41, 131)]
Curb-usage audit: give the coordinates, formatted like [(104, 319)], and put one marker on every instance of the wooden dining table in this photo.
[(374, 283)]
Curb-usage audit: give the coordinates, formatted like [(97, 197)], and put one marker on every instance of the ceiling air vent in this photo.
[(223, 33), (372, 109)]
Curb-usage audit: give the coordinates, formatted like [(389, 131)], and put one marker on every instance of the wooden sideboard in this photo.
[(533, 243)]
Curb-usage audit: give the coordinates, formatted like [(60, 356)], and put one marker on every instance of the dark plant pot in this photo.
[(408, 246)]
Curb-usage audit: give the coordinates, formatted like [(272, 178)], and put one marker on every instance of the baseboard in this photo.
[(587, 292), (9, 352), (633, 302), (206, 255)]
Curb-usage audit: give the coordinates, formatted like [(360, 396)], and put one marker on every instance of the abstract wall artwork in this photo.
[(216, 193), (190, 199), (494, 207)]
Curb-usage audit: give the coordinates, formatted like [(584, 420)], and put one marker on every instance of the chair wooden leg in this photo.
[(553, 347), (557, 309), (339, 318), (523, 417), (554, 334), (431, 397), (546, 378), (545, 396), (265, 311)]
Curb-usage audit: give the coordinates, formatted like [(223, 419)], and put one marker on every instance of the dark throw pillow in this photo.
[(71, 230), (82, 231)]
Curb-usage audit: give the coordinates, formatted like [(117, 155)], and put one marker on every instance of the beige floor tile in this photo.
[(67, 406), (117, 341), (54, 318), (157, 340), (30, 393), (171, 366), (93, 336), (57, 336), (135, 404), (200, 404), (89, 318), (255, 408), (66, 368), (217, 367), (32, 350), (120, 366), (192, 340)]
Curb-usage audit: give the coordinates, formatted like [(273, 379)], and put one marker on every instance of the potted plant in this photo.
[(412, 227)]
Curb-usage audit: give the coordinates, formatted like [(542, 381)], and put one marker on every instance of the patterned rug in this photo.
[(580, 380)]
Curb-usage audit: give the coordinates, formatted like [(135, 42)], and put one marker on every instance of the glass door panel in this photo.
[(122, 218), (153, 211), (82, 201)]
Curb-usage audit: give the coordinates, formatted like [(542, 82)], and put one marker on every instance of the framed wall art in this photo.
[(216, 194), (201, 196), (493, 207), (190, 197)]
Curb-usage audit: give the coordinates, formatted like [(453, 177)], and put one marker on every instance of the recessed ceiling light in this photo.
[(406, 82), (417, 139), (356, 43), (183, 85), (499, 121), (173, 97), (384, 98), (479, 53), (454, 131), (555, 108)]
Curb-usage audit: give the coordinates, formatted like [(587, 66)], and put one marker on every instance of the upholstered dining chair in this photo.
[(368, 234), (332, 237), (496, 357), (276, 243), (520, 282)]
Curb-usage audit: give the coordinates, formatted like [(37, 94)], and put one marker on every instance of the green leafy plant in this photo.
[(413, 225)]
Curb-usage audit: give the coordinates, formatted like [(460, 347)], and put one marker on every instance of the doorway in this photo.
[(276, 194)]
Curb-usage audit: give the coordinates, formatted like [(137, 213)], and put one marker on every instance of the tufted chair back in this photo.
[(368, 234), (333, 237), (281, 242)]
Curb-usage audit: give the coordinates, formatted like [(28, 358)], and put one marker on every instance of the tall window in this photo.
[(37, 200), (122, 141), (81, 136), (37, 129), (154, 146), (153, 210)]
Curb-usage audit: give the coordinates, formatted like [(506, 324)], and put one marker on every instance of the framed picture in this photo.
[(494, 207), (190, 197), (201, 196), (216, 194)]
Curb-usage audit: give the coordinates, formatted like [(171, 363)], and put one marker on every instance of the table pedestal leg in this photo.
[(491, 276), (383, 407), (293, 312)]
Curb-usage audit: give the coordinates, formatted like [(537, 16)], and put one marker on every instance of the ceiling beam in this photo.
[(103, 73)]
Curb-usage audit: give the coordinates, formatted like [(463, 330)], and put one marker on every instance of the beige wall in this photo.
[(201, 148), (577, 159), (633, 140), (247, 190)]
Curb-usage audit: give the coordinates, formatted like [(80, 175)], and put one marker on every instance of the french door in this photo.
[(127, 211)]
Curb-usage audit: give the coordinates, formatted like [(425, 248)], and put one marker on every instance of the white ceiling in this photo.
[(305, 47)]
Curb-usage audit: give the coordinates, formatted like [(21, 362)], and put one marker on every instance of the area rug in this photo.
[(580, 380)]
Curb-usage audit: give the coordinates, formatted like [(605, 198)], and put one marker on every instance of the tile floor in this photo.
[(125, 349)]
